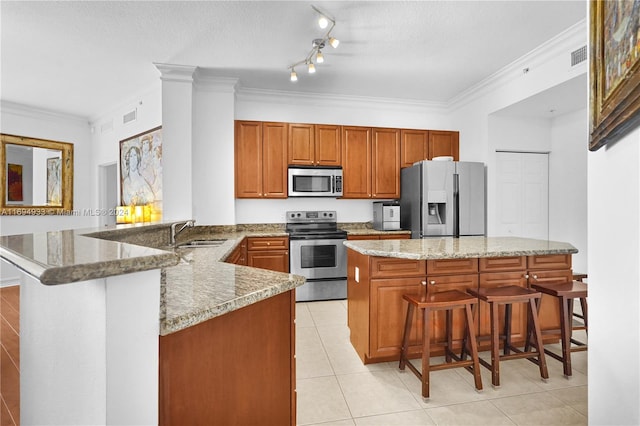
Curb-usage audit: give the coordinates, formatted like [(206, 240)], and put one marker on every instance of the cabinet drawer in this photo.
[(268, 243), (395, 237), (452, 266), (500, 264), (362, 237), (389, 268), (554, 261)]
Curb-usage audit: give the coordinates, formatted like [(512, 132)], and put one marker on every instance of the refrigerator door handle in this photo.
[(456, 205)]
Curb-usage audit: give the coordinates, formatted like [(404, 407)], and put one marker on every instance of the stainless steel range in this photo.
[(317, 252)]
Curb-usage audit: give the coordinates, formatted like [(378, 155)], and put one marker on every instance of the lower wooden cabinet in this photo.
[(376, 310), (239, 255), (268, 253), (235, 369)]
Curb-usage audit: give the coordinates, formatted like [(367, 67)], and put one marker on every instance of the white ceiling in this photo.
[(84, 57)]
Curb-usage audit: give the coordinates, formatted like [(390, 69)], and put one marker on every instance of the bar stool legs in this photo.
[(446, 300), (506, 296), (565, 294)]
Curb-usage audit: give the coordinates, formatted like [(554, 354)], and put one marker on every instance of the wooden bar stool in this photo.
[(506, 296), (566, 293), (445, 300), (580, 277)]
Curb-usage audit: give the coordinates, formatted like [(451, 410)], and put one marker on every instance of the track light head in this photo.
[(312, 68), (334, 42), (323, 22), (319, 57), (294, 76)]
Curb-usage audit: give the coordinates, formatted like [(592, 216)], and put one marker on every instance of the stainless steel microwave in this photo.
[(315, 181)]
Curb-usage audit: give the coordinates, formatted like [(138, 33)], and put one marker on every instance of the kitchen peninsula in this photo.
[(381, 271), (115, 325)]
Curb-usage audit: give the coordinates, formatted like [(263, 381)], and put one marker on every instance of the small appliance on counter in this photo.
[(386, 215)]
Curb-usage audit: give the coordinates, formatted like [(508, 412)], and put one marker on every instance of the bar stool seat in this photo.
[(566, 292), (506, 296), (445, 300)]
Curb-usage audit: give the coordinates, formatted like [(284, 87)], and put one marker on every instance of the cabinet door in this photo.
[(414, 146), (443, 143), (328, 149), (362, 237), (395, 237), (385, 163), (301, 144), (518, 310), (274, 154), (439, 283), (248, 159), (274, 260), (356, 162), (388, 314)]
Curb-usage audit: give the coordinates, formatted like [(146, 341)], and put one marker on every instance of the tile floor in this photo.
[(335, 388)]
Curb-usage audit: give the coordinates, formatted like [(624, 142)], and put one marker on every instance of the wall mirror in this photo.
[(37, 176)]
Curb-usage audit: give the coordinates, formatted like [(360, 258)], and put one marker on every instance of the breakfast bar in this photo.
[(381, 271)]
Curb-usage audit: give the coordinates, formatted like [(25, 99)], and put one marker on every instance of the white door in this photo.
[(522, 195)]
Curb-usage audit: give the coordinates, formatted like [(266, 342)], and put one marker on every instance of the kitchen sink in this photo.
[(202, 243)]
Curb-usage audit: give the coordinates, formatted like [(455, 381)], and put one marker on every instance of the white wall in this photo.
[(614, 274), (568, 184), (108, 129)]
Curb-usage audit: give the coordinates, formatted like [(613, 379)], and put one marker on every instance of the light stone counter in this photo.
[(195, 284), (366, 228), (460, 248)]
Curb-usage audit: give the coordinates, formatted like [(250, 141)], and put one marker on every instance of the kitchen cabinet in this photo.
[(234, 369), (314, 145), (376, 310), (445, 275), (444, 143), (268, 253), (239, 255), (417, 145), (371, 162), (260, 159)]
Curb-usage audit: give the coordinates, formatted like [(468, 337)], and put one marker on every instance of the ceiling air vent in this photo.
[(578, 56), (129, 117)]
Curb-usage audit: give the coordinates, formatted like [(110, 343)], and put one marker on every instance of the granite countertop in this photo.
[(195, 284), (460, 248), (366, 228)]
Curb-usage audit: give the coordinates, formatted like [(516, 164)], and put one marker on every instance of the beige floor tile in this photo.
[(376, 392), (471, 413), (330, 312), (539, 409), (320, 400), (404, 418), (311, 358), (575, 397), (446, 387), (348, 422), (303, 316)]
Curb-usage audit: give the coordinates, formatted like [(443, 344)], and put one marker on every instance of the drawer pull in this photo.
[(432, 282)]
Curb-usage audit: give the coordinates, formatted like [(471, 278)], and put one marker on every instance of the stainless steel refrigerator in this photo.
[(443, 198)]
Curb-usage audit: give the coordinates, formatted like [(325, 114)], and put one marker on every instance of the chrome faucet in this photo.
[(174, 233)]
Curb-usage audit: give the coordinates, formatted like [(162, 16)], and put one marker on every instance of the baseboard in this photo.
[(9, 282)]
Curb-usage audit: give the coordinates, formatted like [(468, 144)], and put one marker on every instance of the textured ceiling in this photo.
[(85, 57)]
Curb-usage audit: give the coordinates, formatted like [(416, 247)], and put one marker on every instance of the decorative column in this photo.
[(177, 143)]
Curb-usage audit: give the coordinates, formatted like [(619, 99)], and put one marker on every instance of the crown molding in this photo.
[(177, 73), (14, 108), (314, 99), (572, 38), (204, 80)]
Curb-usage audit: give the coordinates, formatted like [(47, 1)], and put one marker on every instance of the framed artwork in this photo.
[(54, 181), (14, 182), (614, 70), (141, 169)]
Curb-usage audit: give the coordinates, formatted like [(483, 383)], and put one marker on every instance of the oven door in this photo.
[(319, 258)]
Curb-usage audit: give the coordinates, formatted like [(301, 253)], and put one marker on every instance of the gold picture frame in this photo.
[(614, 70)]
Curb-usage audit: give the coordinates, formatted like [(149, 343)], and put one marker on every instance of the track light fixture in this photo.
[(317, 45)]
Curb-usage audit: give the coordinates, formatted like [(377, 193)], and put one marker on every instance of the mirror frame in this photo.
[(67, 176)]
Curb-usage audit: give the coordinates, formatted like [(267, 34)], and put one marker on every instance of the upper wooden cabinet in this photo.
[(371, 162), (314, 145), (260, 159), (444, 143), (420, 145)]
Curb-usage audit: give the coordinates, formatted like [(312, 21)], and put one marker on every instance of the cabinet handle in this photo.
[(432, 282), (535, 277), (526, 276), (423, 282)]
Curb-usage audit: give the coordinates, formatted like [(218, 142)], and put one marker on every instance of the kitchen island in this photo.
[(97, 304), (381, 271)]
